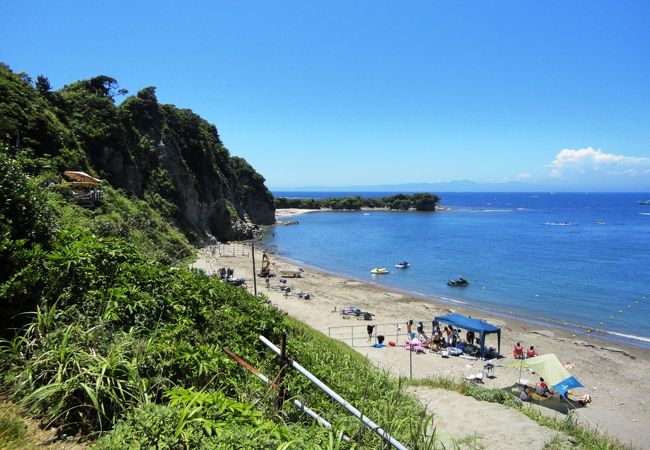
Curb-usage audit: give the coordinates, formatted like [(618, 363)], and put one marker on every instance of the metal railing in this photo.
[(358, 335), (228, 249)]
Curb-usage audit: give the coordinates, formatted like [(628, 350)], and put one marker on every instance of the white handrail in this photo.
[(301, 406), (336, 397)]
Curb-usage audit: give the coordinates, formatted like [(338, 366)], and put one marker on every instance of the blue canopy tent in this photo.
[(475, 325)]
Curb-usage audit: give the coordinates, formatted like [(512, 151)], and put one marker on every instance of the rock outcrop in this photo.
[(169, 156)]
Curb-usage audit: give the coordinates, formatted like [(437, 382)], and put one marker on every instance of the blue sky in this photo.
[(344, 93)]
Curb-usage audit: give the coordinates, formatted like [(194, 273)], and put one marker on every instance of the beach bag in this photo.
[(392, 343)]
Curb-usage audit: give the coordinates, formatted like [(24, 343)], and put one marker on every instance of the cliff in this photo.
[(168, 156)]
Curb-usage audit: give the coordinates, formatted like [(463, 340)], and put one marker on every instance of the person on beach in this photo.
[(580, 401), (469, 337), (518, 352), (531, 353), (525, 394), (409, 329), (421, 334), (437, 339), (455, 337), (541, 388)]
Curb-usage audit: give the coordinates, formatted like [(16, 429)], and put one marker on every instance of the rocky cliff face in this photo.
[(169, 156), (175, 157)]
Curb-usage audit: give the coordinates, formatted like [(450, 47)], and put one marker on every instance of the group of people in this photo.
[(543, 390), (518, 352), (447, 337)]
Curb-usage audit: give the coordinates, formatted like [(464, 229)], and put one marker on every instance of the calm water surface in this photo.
[(582, 259)]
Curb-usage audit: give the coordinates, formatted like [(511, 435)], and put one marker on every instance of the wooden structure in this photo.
[(86, 189)]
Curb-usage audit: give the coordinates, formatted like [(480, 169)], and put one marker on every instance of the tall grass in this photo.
[(13, 430), (374, 392)]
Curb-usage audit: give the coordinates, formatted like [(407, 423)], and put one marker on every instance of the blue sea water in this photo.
[(573, 259)]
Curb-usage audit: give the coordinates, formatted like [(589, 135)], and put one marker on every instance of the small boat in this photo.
[(564, 223), (644, 202), (402, 265), (460, 281), (379, 270)]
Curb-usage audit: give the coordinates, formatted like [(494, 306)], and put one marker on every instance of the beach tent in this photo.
[(477, 326), (551, 369)]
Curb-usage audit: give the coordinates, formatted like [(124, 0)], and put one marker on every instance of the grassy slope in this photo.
[(129, 350)]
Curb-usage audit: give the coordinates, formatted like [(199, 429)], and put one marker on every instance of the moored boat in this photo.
[(460, 281), (379, 270), (402, 265)]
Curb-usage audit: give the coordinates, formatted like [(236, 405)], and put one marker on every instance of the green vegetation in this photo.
[(12, 428), (400, 202), (109, 340), (169, 157), (107, 337)]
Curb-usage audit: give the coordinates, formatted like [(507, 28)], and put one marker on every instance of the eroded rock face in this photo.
[(175, 154), (217, 201), (209, 204), (166, 155)]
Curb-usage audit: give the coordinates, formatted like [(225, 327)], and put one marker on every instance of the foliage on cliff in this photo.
[(400, 202), (110, 342), (170, 157)]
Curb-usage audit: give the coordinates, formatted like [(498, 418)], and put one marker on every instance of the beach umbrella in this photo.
[(551, 369)]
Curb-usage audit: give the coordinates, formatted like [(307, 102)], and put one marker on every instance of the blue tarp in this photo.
[(567, 384), (478, 326)]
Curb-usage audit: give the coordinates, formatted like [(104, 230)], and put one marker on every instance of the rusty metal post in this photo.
[(254, 276)]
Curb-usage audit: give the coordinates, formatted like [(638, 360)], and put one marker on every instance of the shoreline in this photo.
[(604, 338), (612, 375), (576, 329)]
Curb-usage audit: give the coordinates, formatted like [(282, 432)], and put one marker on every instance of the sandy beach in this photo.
[(612, 374)]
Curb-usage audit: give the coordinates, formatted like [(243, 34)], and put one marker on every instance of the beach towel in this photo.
[(415, 346), (411, 343)]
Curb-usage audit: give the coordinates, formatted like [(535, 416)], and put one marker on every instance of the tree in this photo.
[(43, 85)]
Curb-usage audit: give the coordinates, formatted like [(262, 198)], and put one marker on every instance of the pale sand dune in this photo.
[(614, 375), (489, 424)]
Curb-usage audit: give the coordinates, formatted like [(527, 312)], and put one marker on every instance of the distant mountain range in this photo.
[(456, 186)]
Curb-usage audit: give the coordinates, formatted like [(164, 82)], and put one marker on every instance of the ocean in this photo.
[(577, 261)]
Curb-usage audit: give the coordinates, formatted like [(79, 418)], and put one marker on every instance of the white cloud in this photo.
[(591, 169), (596, 169), (592, 157), (587, 162)]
